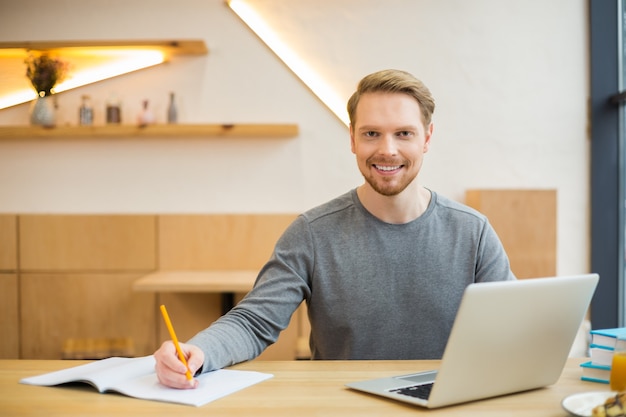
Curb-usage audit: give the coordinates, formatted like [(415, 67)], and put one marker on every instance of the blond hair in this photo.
[(394, 81)]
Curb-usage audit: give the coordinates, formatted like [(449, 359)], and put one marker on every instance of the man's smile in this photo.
[(387, 168)]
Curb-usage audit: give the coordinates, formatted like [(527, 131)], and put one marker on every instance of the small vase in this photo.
[(42, 111)]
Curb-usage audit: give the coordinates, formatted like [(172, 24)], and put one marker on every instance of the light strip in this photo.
[(18, 97), (122, 62), (316, 84), (131, 61)]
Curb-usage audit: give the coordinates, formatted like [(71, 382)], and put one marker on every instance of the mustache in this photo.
[(386, 161)]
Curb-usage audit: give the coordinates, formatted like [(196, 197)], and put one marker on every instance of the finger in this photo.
[(195, 358), (173, 378), (170, 370), (168, 355)]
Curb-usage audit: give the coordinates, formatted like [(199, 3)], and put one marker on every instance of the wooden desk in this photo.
[(226, 282), (302, 388)]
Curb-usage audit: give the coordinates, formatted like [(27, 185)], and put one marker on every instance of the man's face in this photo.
[(389, 140)]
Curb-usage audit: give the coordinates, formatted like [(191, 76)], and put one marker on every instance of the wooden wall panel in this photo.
[(8, 242), (87, 242), (55, 307), (9, 323), (219, 241), (525, 221), (77, 272)]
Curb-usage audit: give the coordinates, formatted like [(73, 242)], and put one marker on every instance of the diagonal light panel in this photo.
[(299, 67)]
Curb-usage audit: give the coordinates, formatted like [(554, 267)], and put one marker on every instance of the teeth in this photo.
[(387, 168)]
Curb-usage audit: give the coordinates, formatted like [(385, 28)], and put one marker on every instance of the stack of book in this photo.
[(598, 369)]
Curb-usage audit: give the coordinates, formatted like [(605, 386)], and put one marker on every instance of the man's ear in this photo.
[(352, 143), (428, 134)]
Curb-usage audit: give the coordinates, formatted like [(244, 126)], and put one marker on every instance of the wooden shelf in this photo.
[(174, 130), (169, 47), (197, 281), (225, 282)]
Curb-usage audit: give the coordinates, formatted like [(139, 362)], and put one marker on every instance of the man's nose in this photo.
[(388, 145)]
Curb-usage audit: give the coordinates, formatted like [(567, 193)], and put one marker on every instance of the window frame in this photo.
[(607, 155)]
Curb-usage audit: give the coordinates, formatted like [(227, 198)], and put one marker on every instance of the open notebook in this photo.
[(507, 337), (136, 378)]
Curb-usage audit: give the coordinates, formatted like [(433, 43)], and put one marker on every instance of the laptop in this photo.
[(507, 337)]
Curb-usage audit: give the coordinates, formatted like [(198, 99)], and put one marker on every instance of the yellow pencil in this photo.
[(170, 328)]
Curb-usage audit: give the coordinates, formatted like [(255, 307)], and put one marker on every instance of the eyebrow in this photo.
[(399, 128)]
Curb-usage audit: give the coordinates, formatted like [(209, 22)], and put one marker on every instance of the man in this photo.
[(382, 268)]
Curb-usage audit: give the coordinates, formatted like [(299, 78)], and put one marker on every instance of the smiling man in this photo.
[(382, 268), (389, 134)]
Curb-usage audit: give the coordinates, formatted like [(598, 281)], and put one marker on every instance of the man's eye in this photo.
[(404, 133), (370, 134)]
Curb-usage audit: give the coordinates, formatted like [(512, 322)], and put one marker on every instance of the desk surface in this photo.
[(299, 388)]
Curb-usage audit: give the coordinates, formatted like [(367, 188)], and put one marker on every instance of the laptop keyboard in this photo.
[(418, 391)]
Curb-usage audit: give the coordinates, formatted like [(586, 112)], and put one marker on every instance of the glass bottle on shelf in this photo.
[(145, 116), (85, 112), (172, 111), (113, 111)]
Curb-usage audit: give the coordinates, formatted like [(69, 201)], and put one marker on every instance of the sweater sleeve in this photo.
[(492, 260), (256, 322)]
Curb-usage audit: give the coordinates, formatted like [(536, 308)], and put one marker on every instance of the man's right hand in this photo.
[(171, 371)]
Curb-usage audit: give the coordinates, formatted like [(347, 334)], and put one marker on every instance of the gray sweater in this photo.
[(374, 290)]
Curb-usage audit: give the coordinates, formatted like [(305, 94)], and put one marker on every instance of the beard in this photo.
[(389, 187)]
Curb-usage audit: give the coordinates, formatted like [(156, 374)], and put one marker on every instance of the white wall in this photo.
[(510, 80)]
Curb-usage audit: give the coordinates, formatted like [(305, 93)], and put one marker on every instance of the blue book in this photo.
[(606, 337), (595, 373)]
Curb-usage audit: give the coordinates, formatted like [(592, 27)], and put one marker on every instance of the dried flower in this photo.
[(45, 72)]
